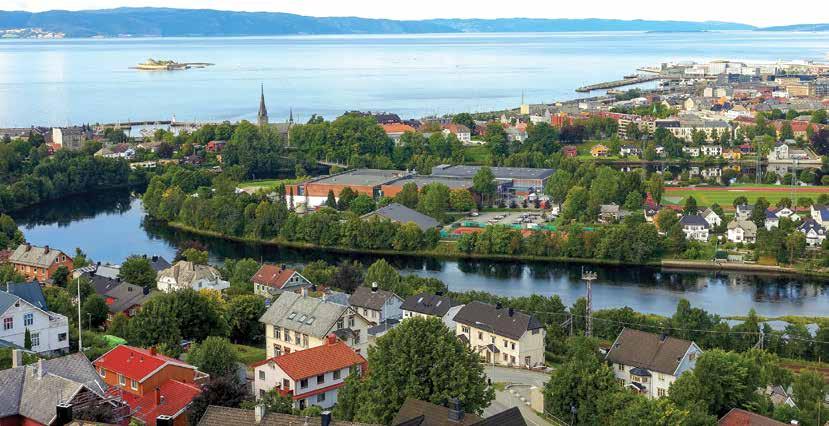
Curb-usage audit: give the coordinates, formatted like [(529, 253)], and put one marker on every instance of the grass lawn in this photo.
[(725, 196), (267, 183), (249, 354), (477, 154)]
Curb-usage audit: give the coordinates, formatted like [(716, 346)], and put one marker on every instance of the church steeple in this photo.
[(262, 118), (291, 116)]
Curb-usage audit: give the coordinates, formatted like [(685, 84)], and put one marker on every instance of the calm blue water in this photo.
[(73, 81), (110, 227)]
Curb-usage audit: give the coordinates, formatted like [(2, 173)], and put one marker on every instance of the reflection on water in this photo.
[(109, 227)]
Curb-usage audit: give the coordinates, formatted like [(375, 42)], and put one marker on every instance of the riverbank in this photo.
[(443, 252)]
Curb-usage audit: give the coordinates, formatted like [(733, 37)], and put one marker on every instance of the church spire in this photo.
[(290, 116), (262, 118)]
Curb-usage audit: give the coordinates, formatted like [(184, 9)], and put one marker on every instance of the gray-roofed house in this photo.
[(31, 393), (518, 178), (399, 213), (227, 416), (185, 274), (376, 305), (49, 331), (127, 298), (38, 263), (501, 335), (814, 232), (742, 231), (695, 227), (649, 363), (295, 322), (744, 212), (415, 412), (427, 305)]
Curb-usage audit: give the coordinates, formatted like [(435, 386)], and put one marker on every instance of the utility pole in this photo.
[(80, 333), (589, 277)]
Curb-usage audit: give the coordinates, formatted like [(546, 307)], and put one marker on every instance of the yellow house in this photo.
[(501, 336), (599, 151), (732, 154)]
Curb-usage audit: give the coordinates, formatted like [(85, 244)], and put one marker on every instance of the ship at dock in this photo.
[(168, 65)]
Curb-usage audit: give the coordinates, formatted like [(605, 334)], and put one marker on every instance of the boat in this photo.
[(168, 65)]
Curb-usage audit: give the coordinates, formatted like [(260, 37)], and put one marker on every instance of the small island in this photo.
[(168, 65)]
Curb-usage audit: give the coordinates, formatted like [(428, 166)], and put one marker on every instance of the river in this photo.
[(90, 80), (110, 227)]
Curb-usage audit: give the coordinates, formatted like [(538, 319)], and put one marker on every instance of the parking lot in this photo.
[(524, 218)]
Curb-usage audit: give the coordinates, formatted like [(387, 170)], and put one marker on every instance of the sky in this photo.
[(743, 11)]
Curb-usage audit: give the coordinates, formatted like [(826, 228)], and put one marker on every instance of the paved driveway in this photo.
[(517, 395)]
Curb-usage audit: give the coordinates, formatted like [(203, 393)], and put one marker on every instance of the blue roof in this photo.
[(6, 301), (30, 292)]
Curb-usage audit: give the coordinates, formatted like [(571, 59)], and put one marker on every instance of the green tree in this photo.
[(347, 195), (408, 195), (220, 391), (138, 270), (27, 339), (465, 119), (558, 185), (434, 201), (215, 356), (419, 359), (319, 272), (61, 276), (461, 200), (809, 392), (691, 205), (721, 380), (362, 204), (95, 310), (656, 186), (196, 256), (483, 183), (331, 200), (380, 272), (575, 205), (119, 326), (243, 313)]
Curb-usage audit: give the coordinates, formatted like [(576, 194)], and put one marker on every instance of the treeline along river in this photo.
[(111, 226)]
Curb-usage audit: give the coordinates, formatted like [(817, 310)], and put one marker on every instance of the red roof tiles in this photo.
[(135, 363), (170, 399), (273, 276), (738, 417), (398, 128), (315, 361)]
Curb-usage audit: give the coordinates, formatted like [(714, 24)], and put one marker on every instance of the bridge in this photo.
[(171, 123)]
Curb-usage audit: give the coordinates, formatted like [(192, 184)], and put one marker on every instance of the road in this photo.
[(512, 396)]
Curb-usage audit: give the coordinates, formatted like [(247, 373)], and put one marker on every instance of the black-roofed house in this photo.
[(695, 227), (501, 335), (427, 305), (415, 412), (649, 363), (376, 305), (399, 213), (815, 233)]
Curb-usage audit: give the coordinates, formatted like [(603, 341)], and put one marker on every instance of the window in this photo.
[(287, 335), (321, 397), (480, 335), (505, 358), (492, 339), (305, 340), (505, 343), (340, 323), (374, 314), (35, 339), (660, 392), (365, 312), (261, 393), (122, 380), (261, 374), (692, 356), (303, 383), (351, 321), (513, 345), (134, 385), (28, 319), (277, 332), (286, 384), (336, 374), (620, 367), (357, 339), (321, 379), (535, 331), (277, 350), (102, 372), (512, 359), (465, 330), (297, 339), (8, 323)]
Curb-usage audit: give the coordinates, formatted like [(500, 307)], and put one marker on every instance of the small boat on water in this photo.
[(168, 65)]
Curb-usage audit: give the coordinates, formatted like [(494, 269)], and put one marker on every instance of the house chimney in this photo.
[(325, 418), (155, 258), (157, 393), (46, 249), (152, 350), (28, 246), (332, 338), (259, 413), (144, 255), (455, 411), (498, 305), (438, 293), (164, 420), (63, 414), (511, 311), (17, 358), (146, 291), (374, 287), (40, 373)]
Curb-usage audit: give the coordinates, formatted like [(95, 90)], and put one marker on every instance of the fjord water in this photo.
[(58, 82), (110, 227)]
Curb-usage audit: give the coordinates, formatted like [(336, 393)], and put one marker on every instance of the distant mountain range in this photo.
[(800, 27), (162, 22)]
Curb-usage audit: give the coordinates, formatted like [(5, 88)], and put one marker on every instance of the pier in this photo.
[(619, 83)]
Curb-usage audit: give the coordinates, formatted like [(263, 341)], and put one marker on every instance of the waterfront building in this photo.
[(185, 274), (501, 336), (272, 280), (399, 213)]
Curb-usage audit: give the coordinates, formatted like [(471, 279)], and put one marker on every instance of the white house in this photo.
[(186, 274), (711, 150), (742, 231), (649, 363), (309, 377), (693, 151), (500, 335), (22, 307), (815, 233), (427, 305), (695, 227), (820, 214), (376, 305), (743, 212), (711, 217)]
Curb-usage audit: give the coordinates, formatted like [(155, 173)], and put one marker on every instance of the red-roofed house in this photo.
[(143, 375), (271, 280), (738, 417), (311, 376), (215, 146), (396, 130)]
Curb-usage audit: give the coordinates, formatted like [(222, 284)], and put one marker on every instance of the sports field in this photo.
[(267, 183), (725, 196)]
